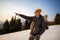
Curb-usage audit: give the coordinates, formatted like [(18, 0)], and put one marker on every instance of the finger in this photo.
[(16, 13)]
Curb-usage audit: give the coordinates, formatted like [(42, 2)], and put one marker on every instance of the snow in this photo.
[(53, 33)]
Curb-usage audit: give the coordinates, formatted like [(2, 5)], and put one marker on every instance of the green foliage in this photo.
[(13, 25), (27, 24), (57, 19), (6, 26)]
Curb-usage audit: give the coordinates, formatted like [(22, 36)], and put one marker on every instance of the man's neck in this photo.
[(37, 16)]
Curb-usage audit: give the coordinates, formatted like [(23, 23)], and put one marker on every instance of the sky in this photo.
[(28, 7)]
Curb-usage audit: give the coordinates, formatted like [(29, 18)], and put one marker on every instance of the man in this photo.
[(37, 26)]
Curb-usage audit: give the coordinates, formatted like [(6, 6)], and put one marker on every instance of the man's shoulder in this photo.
[(41, 16)]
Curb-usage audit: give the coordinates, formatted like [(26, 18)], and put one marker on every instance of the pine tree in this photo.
[(27, 24), (6, 26), (13, 24), (19, 24), (57, 19)]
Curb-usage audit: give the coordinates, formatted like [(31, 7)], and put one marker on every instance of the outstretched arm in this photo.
[(25, 17)]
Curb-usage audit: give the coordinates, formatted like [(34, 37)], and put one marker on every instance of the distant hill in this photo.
[(1, 24)]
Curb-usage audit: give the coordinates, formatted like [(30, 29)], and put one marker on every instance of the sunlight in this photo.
[(8, 11)]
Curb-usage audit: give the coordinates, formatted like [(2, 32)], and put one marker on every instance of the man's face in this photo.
[(37, 13)]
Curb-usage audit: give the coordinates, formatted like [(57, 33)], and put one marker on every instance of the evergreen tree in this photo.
[(13, 24), (57, 19), (6, 26), (19, 24), (27, 24)]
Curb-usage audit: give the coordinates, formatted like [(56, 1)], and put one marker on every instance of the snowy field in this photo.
[(53, 33)]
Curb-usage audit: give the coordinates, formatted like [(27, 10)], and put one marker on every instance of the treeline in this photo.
[(14, 25), (56, 20)]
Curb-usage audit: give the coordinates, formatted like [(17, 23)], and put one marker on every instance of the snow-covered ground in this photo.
[(53, 33)]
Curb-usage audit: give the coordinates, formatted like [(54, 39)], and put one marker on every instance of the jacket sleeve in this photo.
[(43, 25), (26, 17)]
